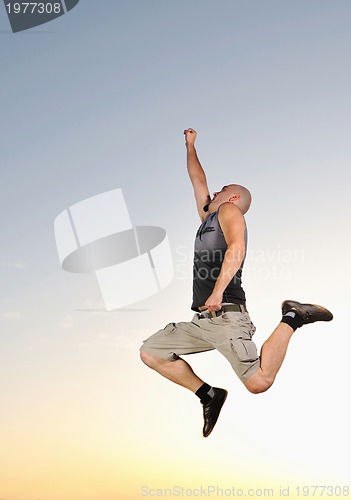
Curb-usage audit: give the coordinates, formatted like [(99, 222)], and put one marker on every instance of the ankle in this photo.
[(205, 393)]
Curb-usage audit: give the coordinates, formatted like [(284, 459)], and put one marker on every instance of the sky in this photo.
[(98, 100)]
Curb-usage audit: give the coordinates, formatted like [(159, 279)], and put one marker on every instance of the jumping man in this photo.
[(221, 320)]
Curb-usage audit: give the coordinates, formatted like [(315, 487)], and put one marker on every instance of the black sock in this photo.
[(205, 393), (292, 319)]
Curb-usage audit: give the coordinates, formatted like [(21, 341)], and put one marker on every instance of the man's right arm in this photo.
[(196, 173)]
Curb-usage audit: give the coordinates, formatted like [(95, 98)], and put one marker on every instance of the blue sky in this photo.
[(98, 99)]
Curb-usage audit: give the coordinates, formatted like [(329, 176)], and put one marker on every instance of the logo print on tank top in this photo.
[(201, 231)]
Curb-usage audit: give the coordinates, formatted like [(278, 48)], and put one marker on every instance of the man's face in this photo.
[(220, 197)]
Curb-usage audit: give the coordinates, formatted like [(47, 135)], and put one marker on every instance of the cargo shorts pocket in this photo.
[(247, 326), (241, 322), (169, 328), (245, 349), (161, 333)]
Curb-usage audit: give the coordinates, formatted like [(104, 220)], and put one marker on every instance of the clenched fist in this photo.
[(190, 136)]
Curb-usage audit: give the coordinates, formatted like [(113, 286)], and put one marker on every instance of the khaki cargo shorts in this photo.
[(231, 334)]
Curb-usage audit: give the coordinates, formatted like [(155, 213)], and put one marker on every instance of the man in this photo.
[(221, 320)]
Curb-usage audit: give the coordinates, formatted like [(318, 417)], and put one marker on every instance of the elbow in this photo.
[(236, 251)]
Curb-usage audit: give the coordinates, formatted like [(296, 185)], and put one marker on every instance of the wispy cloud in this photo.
[(68, 322), (117, 340), (14, 265), (10, 315), (109, 339)]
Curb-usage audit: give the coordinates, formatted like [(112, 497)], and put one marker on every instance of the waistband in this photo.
[(225, 308)]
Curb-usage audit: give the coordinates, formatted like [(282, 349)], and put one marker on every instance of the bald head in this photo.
[(240, 196), (232, 193)]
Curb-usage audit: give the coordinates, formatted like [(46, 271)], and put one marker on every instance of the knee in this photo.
[(259, 384), (150, 360)]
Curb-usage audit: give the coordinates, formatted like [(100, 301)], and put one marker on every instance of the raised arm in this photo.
[(196, 173)]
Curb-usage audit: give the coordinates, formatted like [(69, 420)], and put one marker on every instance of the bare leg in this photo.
[(272, 356), (177, 371)]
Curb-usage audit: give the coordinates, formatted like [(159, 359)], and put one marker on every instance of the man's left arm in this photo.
[(233, 226)]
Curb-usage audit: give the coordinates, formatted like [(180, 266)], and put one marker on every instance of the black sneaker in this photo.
[(212, 410), (308, 312)]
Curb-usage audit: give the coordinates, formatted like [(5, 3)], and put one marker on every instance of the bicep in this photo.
[(233, 225)]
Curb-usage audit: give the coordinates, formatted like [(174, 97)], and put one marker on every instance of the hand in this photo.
[(190, 136), (214, 302)]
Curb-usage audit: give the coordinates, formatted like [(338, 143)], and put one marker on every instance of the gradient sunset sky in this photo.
[(98, 99)]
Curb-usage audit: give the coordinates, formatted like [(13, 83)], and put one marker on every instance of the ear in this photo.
[(234, 198)]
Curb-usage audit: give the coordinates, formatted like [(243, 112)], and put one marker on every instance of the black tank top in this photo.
[(210, 247)]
